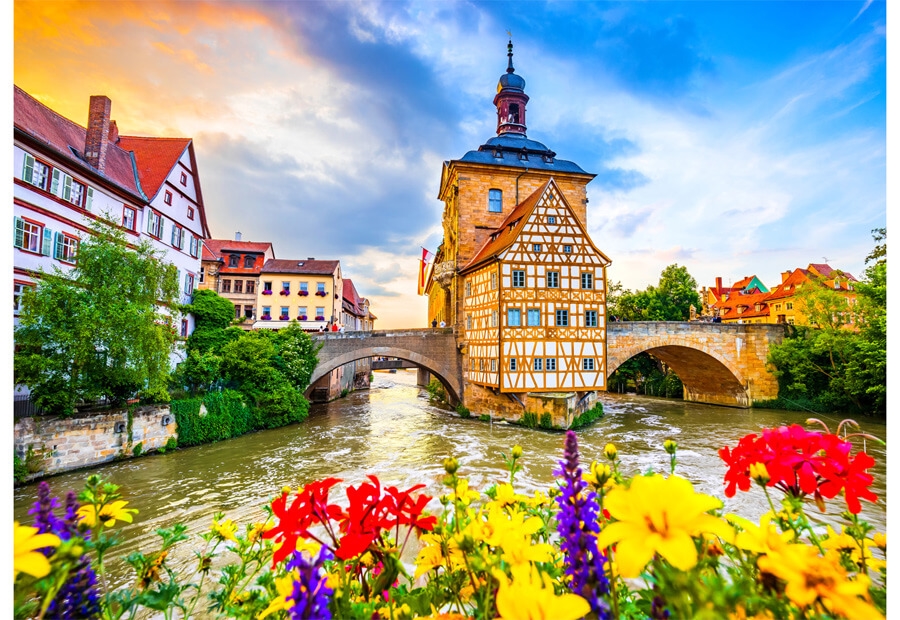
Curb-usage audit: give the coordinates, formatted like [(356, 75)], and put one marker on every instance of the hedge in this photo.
[(226, 416)]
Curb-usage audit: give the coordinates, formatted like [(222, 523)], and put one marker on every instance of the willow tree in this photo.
[(102, 329)]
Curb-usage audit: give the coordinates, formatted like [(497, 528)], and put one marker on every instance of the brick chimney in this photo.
[(96, 141), (113, 132), (785, 275), (718, 284)]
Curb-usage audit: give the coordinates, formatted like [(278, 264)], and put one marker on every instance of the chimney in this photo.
[(719, 283), (785, 275), (96, 141), (113, 133), (237, 236)]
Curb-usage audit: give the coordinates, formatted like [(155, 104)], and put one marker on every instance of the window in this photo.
[(35, 172), (251, 286), (552, 279), (551, 363), (226, 286), (286, 287), (267, 286), (480, 364), (301, 311), (66, 247), (238, 286), (495, 201), (73, 191), (513, 317), (128, 218), (518, 278), (267, 312), (190, 213), (320, 313), (248, 312), (590, 318), (587, 280), (493, 365), (534, 317), (778, 306), (184, 328), (183, 179), (18, 289), (512, 363), (177, 237), (285, 312), (551, 219), (587, 363), (233, 260), (538, 364), (494, 316), (789, 306), (567, 249), (320, 288), (494, 281), (202, 274), (468, 292), (469, 321), (154, 224), (249, 261), (237, 311), (168, 198), (32, 236), (536, 247), (189, 284), (562, 318), (194, 246)]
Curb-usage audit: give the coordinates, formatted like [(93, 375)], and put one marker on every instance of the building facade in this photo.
[(356, 314), (307, 291), (65, 176), (517, 275), (232, 269)]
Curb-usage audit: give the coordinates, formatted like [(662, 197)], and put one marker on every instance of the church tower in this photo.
[(484, 186)]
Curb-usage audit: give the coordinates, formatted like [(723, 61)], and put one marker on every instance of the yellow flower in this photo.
[(670, 446), (610, 451), (659, 515), (285, 587), (463, 494), (433, 555), (762, 538), (507, 496), (741, 614), (810, 577), (599, 475), (880, 540), (109, 514), (513, 534), (517, 451), (529, 596), (540, 499), (759, 473), (225, 530), (25, 557), (258, 529), (844, 544)]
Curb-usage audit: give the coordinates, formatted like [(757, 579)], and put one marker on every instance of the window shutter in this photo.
[(187, 283), (178, 275), (89, 199), (174, 240), (28, 168), (54, 185), (67, 186), (58, 246), (48, 241), (162, 226), (150, 222), (19, 227)]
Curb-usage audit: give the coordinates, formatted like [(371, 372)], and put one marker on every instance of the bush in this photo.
[(436, 391), (546, 420), (485, 417), (226, 416), (588, 416), (463, 411), (529, 420), (20, 470), (138, 448), (279, 407)]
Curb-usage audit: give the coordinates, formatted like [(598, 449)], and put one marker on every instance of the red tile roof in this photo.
[(155, 159), (61, 135), (826, 271), (217, 246), (207, 254), (728, 309), (311, 267)]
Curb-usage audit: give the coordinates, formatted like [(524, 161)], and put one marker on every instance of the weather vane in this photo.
[(509, 33)]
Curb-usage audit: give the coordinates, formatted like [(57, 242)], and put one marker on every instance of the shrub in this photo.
[(344, 392), (171, 443), (20, 470), (485, 417), (436, 391), (529, 420), (138, 448), (546, 420), (463, 411), (588, 416)]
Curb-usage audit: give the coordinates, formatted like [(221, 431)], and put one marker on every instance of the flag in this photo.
[(425, 265)]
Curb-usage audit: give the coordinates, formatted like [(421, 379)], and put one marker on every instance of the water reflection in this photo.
[(393, 431)]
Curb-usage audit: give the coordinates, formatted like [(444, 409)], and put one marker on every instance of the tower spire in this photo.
[(510, 98), (509, 47)]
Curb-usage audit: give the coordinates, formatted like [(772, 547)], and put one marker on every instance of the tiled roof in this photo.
[(312, 267), (507, 232), (826, 271), (155, 158), (62, 135), (217, 246), (728, 309), (207, 254), (519, 152)]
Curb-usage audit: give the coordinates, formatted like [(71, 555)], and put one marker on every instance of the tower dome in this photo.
[(510, 100)]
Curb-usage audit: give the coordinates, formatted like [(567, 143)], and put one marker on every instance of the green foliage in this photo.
[(210, 310), (344, 392), (172, 443), (138, 448), (226, 416), (485, 417), (436, 391), (296, 355), (20, 469), (546, 420), (81, 338), (647, 375), (463, 411), (670, 300), (588, 416), (529, 420)]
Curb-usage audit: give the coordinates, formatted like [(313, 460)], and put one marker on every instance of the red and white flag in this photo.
[(424, 270)]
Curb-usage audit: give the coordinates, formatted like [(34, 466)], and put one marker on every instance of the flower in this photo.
[(659, 515), (529, 596), (26, 558), (285, 292), (283, 317), (301, 317), (225, 530), (517, 451), (267, 292), (265, 317), (310, 594), (109, 514), (320, 318), (577, 527), (670, 446), (310, 506), (610, 451), (303, 293), (759, 473)]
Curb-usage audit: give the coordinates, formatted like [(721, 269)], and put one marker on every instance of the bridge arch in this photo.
[(435, 351)]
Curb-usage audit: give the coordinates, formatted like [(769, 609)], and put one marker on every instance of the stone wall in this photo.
[(86, 440)]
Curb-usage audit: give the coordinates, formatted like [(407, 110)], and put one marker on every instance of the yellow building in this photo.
[(307, 291)]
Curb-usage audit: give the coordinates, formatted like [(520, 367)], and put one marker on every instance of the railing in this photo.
[(25, 407)]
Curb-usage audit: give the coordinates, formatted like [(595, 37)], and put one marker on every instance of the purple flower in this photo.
[(577, 527), (311, 592)]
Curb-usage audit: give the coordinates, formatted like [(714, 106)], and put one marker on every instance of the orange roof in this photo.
[(310, 266), (155, 158), (217, 246), (66, 139), (507, 232), (728, 309)]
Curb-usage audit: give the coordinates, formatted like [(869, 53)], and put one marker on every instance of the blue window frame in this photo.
[(495, 201)]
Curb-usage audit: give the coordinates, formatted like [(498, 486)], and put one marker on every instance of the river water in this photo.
[(393, 431)]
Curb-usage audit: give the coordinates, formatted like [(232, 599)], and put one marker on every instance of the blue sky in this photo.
[(735, 138)]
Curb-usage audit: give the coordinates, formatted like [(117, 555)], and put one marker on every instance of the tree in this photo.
[(98, 330), (671, 300)]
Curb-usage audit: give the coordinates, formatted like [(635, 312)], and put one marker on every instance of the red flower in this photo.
[(309, 507)]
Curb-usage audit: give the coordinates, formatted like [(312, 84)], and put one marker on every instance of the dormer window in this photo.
[(233, 260), (249, 261)]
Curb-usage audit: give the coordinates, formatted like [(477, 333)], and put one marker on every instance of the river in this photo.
[(393, 431)]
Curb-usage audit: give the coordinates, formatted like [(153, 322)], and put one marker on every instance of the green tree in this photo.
[(296, 355), (670, 300), (98, 330)]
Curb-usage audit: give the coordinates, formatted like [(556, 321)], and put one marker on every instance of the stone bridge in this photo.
[(432, 349), (717, 363)]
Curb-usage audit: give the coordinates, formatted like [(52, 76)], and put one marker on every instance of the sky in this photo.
[(734, 138)]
